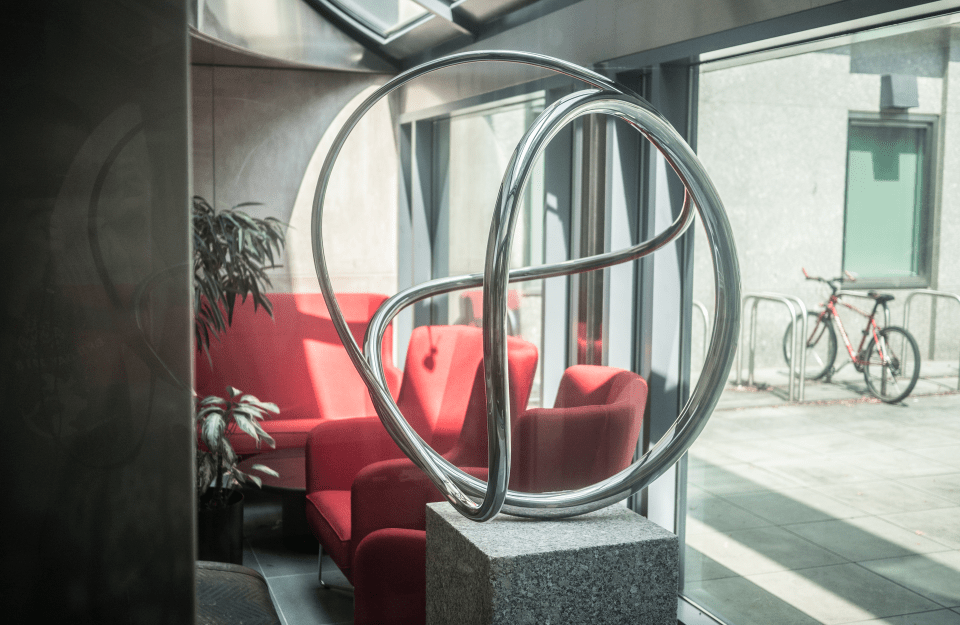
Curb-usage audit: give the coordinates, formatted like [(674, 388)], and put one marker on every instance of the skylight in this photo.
[(384, 17)]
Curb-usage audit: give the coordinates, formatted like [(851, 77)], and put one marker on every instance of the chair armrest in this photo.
[(393, 494), (390, 578), (337, 450)]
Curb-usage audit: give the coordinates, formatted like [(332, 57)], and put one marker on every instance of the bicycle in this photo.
[(889, 361)]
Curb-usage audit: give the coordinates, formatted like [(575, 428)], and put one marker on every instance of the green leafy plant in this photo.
[(217, 471), (231, 252)]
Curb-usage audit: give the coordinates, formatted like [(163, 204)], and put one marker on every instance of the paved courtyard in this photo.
[(839, 509)]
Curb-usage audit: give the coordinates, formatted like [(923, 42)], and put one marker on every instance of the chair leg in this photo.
[(324, 585)]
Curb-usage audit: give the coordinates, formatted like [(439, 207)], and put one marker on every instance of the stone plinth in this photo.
[(610, 566)]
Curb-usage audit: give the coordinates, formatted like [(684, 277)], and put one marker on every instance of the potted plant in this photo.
[(231, 251)]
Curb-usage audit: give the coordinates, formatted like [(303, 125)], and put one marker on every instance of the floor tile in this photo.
[(865, 538), (900, 464), (798, 505), (884, 497), (720, 514), (841, 594), (737, 600), (709, 452), (759, 550), (276, 559), (937, 617), (779, 423), (933, 575), (907, 438), (698, 567), (761, 449), (839, 443), (738, 478), (820, 471), (941, 525), (949, 454), (301, 600), (944, 486)]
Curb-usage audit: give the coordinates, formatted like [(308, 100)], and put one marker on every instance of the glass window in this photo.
[(820, 511), (480, 147), (383, 16), (885, 201)]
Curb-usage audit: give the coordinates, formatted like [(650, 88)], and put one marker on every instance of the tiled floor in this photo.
[(838, 510), (291, 573)]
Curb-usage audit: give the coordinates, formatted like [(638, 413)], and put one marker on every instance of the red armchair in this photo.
[(443, 398), (589, 435), (295, 360)]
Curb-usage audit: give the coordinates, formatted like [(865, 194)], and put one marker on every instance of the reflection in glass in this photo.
[(480, 146)]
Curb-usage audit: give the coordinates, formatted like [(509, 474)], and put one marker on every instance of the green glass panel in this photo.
[(884, 199)]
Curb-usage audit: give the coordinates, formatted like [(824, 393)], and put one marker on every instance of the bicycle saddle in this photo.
[(882, 298)]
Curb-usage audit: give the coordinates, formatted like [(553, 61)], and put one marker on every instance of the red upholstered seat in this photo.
[(443, 398), (589, 435), (295, 360)]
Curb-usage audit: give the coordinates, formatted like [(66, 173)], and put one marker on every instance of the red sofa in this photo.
[(295, 360)]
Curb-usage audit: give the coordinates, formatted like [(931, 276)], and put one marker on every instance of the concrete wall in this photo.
[(260, 134), (773, 136), (98, 521)]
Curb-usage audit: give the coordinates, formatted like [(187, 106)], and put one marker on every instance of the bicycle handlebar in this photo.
[(833, 283)]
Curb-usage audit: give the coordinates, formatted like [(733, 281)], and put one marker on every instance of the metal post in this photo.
[(943, 294)]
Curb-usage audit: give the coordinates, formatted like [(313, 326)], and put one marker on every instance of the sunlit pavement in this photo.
[(839, 509)]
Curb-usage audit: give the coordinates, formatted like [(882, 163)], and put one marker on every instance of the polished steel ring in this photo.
[(478, 500)]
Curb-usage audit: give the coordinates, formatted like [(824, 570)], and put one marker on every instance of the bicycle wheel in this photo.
[(891, 368), (821, 346)]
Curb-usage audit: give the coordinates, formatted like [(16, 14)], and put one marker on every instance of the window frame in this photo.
[(929, 208)]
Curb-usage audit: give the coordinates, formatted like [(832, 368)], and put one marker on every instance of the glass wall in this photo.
[(836, 156), (471, 151)]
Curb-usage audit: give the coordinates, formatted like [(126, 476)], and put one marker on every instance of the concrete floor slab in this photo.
[(934, 575), (865, 538), (941, 525), (884, 497), (800, 505), (842, 594)]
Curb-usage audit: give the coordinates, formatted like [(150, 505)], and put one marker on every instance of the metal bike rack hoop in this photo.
[(798, 366), (934, 294)]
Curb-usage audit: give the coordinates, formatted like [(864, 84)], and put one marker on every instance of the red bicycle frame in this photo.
[(830, 310)]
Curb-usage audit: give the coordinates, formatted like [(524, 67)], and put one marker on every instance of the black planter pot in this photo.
[(220, 531)]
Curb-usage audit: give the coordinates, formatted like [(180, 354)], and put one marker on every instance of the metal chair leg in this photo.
[(324, 585)]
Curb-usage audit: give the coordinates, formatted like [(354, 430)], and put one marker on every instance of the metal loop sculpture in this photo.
[(478, 500)]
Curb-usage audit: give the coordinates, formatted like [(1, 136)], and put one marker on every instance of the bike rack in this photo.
[(706, 325), (906, 315), (886, 310), (799, 365)]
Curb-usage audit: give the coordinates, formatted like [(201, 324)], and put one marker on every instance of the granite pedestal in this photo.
[(610, 566)]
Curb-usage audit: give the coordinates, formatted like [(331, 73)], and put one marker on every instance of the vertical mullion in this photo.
[(421, 215), (440, 216), (558, 190), (665, 295), (403, 325)]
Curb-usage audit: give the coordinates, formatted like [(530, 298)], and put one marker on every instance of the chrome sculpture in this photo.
[(478, 500)]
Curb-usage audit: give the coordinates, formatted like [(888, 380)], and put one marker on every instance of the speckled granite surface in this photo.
[(610, 566)]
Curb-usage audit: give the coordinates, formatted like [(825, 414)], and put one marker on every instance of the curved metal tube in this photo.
[(461, 489)]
